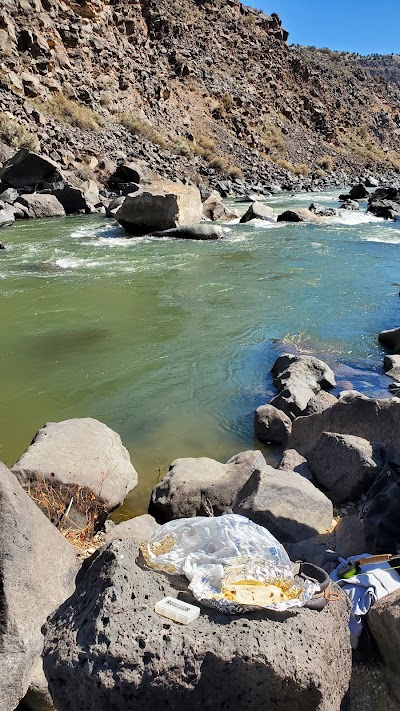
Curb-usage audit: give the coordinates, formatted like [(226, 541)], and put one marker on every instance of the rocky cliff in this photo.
[(200, 89)]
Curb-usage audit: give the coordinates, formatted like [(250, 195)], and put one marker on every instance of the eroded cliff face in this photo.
[(199, 89)]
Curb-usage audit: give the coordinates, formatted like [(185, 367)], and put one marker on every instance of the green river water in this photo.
[(170, 342)]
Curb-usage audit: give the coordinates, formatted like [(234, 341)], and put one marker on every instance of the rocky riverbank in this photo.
[(91, 639)]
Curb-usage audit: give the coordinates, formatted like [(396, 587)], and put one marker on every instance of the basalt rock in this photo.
[(37, 573), (27, 168), (106, 648), (300, 214), (196, 486), (390, 338), (271, 424), (215, 210), (76, 457), (39, 205), (160, 206), (7, 216), (259, 211)]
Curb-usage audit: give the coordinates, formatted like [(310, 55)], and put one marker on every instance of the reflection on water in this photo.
[(170, 342)]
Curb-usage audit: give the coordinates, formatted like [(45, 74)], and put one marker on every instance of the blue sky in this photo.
[(363, 26)]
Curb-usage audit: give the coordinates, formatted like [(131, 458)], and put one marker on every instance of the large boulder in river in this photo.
[(300, 214), (39, 205), (135, 172), (77, 199), (197, 486), (77, 456), (106, 648), (26, 169), (286, 503), (388, 209), (298, 378), (390, 338), (160, 206), (7, 216), (37, 573), (358, 192), (344, 465), (322, 211), (271, 424), (259, 211), (372, 419), (215, 210)]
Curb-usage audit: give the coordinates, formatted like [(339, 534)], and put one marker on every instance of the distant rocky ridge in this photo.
[(202, 91)]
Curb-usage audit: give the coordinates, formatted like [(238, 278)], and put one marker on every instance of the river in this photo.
[(170, 342)]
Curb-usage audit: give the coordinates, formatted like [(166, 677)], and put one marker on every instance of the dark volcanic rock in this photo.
[(107, 649), (390, 338), (322, 211), (7, 216), (26, 169), (384, 625), (271, 424), (194, 486), (258, 211), (39, 205), (344, 465), (358, 192), (37, 572), (291, 507), (161, 206), (372, 419), (300, 214), (292, 461)]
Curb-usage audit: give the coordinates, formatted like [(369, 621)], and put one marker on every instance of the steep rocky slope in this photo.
[(199, 89)]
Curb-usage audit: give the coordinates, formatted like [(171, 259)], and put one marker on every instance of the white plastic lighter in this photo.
[(177, 610)]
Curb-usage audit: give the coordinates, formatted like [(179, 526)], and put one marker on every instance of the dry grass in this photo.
[(143, 127), (366, 146), (70, 111), (16, 135), (272, 138), (222, 165), (325, 162), (56, 501), (301, 169)]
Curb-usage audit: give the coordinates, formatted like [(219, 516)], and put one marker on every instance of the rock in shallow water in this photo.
[(107, 649), (160, 206), (271, 424), (259, 211)]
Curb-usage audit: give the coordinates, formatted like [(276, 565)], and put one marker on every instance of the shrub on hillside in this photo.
[(16, 135), (71, 111)]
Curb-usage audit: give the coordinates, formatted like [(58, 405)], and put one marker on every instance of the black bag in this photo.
[(381, 512)]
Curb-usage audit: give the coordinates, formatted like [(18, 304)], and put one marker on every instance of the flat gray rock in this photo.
[(38, 205), (292, 461), (107, 649), (288, 505), (258, 211), (81, 452), (140, 528)]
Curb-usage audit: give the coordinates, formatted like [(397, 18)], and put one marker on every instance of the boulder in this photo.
[(390, 338), (2, 246), (312, 551), (77, 199), (291, 507), (372, 182), (351, 205), (140, 528), (26, 169), (78, 456), (318, 403), (322, 211), (7, 217), (198, 232), (160, 206), (292, 461), (391, 361), (114, 205), (39, 205), (384, 626), (106, 648), (388, 209), (258, 211), (5, 153), (304, 369), (358, 192), (394, 373), (135, 172), (199, 486), (293, 400), (300, 214), (376, 420), (37, 573), (215, 210), (345, 465), (271, 424), (349, 537), (9, 195), (298, 379)]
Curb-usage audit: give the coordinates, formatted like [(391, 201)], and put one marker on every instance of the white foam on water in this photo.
[(75, 263), (348, 217)]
